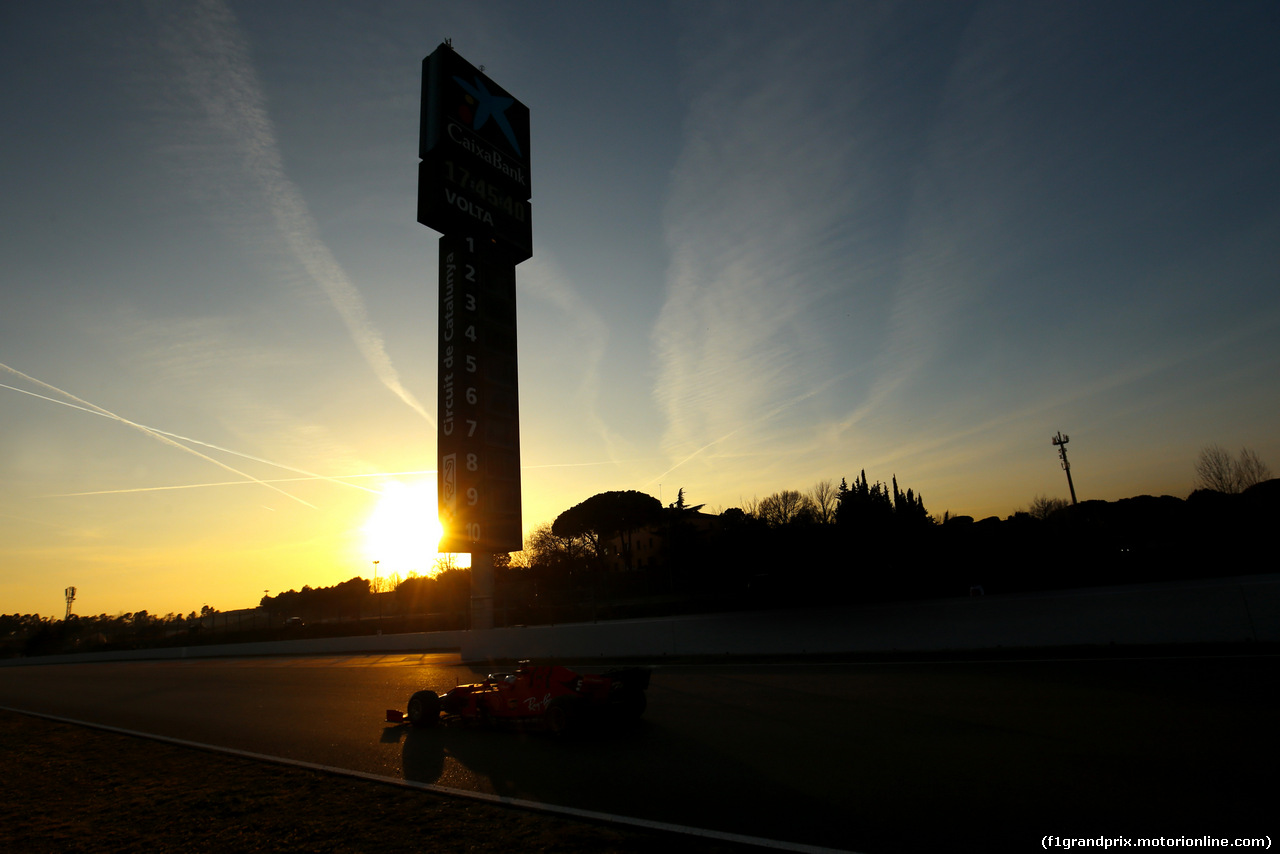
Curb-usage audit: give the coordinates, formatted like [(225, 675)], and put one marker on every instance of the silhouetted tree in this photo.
[(863, 505), (880, 514), (336, 601), (1216, 470), (1250, 469), (825, 499), (1042, 506), (785, 508), (908, 508), (606, 515), (551, 554)]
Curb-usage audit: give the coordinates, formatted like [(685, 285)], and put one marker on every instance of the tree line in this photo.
[(623, 553), (624, 548), (34, 634), (873, 541)]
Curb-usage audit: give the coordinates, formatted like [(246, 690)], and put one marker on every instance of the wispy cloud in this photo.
[(216, 75), (587, 336), (827, 223), (754, 422), (764, 183)]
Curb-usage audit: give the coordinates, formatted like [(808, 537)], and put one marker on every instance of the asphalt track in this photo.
[(862, 757)]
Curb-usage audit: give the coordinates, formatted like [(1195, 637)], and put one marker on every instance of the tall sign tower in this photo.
[(473, 187)]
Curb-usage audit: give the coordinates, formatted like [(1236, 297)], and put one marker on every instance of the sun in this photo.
[(403, 531)]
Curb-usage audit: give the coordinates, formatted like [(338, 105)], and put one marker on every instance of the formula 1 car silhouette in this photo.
[(542, 697)]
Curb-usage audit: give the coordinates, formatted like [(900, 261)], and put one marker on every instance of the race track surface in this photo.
[(862, 757)]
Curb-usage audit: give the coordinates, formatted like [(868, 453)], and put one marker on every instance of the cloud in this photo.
[(757, 222), (585, 335), (840, 204), (216, 77)]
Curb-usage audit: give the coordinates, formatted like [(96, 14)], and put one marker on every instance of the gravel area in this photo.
[(66, 788)]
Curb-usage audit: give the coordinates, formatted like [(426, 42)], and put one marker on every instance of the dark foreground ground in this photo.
[(72, 789)]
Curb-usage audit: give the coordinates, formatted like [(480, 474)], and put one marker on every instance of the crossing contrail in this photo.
[(178, 436), (147, 431), (332, 479), (341, 480)]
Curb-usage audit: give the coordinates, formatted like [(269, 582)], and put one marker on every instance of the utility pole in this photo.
[(70, 593), (1061, 441)]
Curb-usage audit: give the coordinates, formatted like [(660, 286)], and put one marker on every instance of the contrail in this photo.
[(158, 436), (220, 78), (339, 479), (589, 464), (309, 475)]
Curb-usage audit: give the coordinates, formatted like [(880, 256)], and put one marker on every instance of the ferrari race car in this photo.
[(546, 697)]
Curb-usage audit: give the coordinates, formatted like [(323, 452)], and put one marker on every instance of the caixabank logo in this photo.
[(480, 106), (473, 122)]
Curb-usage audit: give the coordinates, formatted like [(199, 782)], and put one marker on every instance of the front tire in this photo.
[(561, 716), (424, 709)]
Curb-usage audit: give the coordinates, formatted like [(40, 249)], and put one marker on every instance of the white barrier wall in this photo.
[(1220, 611), (416, 642), (1242, 609)]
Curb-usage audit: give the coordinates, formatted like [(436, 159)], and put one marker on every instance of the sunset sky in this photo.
[(773, 244)]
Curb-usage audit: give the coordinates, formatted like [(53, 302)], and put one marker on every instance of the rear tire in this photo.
[(424, 709)]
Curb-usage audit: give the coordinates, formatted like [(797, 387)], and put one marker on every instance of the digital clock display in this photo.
[(455, 199)]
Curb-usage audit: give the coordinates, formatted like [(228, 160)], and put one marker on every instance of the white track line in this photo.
[(588, 815)]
